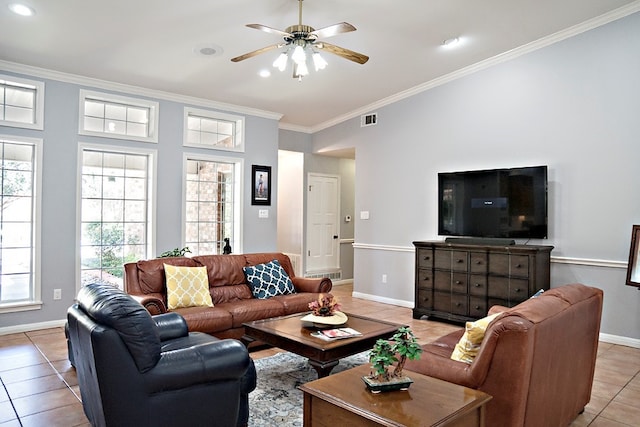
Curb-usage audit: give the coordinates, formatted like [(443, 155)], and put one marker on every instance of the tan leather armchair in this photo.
[(537, 359)]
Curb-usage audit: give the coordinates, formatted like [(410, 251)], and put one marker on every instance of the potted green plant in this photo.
[(402, 346), (175, 252)]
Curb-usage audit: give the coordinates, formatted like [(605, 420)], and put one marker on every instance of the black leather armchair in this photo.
[(135, 369)]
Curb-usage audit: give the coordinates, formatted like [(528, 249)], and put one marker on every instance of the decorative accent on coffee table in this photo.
[(403, 345), (325, 312)]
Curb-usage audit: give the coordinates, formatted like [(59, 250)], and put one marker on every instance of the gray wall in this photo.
[(573, 106), (60, 135)]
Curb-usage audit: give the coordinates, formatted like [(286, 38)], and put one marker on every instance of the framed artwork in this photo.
[(261, 185), (633, 269)]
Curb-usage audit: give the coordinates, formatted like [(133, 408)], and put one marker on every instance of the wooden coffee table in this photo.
[(288, 333), (343, 399)]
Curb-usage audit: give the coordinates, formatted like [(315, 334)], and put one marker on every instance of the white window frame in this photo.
[(36, 302), (236, 245), (38, 123), (238, 137), (152, 184), (134, 102)]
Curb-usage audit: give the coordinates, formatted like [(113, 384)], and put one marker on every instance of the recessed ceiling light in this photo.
[(21, 9), (448, 43), (264, 73)]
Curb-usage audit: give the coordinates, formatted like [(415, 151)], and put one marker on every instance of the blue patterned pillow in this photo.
[(268, 280)]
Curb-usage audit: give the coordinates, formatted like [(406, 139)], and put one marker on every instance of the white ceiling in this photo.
[(150, 44)]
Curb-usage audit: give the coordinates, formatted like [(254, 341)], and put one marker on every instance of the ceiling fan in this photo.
[(300, 39)]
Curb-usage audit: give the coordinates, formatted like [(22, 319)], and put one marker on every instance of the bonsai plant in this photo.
[(175, 252), (403, 345)]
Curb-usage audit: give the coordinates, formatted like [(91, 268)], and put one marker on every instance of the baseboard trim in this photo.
[(376, 298), (27, 327), (616, 339)]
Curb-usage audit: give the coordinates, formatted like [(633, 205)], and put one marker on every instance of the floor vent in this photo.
[(334, 275), (368, 119)]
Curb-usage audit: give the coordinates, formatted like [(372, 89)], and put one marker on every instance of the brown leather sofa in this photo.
[(537, 359), (233, 301)]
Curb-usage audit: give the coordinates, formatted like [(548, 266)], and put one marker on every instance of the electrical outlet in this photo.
[(57, 294), (384, 278)]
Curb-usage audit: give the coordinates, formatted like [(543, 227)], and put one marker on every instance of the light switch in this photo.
[(364, 214), (263, 213)]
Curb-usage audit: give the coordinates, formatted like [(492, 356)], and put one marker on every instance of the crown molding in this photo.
[(490, 62), (134, 90)]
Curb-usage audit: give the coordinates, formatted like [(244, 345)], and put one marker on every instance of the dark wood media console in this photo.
[(460, 282)]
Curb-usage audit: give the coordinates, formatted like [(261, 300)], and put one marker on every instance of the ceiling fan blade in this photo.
[(341, 51), (332, 30), (255, 52), (270, 30)]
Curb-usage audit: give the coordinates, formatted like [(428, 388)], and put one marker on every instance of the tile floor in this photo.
[(39, 386)]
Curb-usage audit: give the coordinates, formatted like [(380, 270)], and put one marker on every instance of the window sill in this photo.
[(20, 306)]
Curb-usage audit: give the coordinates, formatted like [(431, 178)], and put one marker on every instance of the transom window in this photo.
[(21, 102), (211, 205), (118, 117), (208, 129), (19, 196), (115, 213)]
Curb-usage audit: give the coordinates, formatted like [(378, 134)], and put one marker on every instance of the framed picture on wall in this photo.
[(633, 270), (261, 185)]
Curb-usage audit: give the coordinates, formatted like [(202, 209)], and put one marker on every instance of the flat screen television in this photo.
[(497, 203)]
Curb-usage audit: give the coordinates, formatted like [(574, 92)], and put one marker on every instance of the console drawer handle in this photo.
[(460, 261), (477, 307), (517, 290), (477, 285), (458, 304), (458, 282)]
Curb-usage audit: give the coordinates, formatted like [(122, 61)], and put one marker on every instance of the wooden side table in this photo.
[(343, 399)]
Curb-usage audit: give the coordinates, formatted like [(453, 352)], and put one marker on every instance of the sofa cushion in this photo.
[(268, 280), (151, 275), (187, 287), (467, 348)]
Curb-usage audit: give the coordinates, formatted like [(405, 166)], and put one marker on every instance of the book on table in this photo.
[(336, 333)]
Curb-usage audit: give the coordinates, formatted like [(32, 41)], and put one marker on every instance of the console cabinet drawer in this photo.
[(424, 258), (442, 281), (478, 285), (425, 278), (478, 262), (425, 299)]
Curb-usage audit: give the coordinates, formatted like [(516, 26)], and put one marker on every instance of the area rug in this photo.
[(276, 401)]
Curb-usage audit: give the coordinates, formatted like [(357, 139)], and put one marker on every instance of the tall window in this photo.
[(19, 196), (211, 209), (115, 212), (118, 117), (209, 129), (21, 102)]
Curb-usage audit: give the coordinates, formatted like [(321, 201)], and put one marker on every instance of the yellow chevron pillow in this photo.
[(187, 287), (467, 348)]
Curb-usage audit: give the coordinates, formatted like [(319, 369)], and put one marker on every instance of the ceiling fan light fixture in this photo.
[(318, 61), (299, 56), (281, 62)]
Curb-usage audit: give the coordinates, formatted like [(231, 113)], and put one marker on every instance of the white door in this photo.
[(323, 209)]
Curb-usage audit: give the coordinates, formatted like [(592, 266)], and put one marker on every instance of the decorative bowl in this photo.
[(336, 319)]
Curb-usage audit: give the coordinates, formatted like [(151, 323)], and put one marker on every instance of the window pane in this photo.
[(116, 118), (15, 287), (19, 97), (115, 112), (16, 234), (138, 115), (18, 114), (17, 215), (206, 217), (115, 223)]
